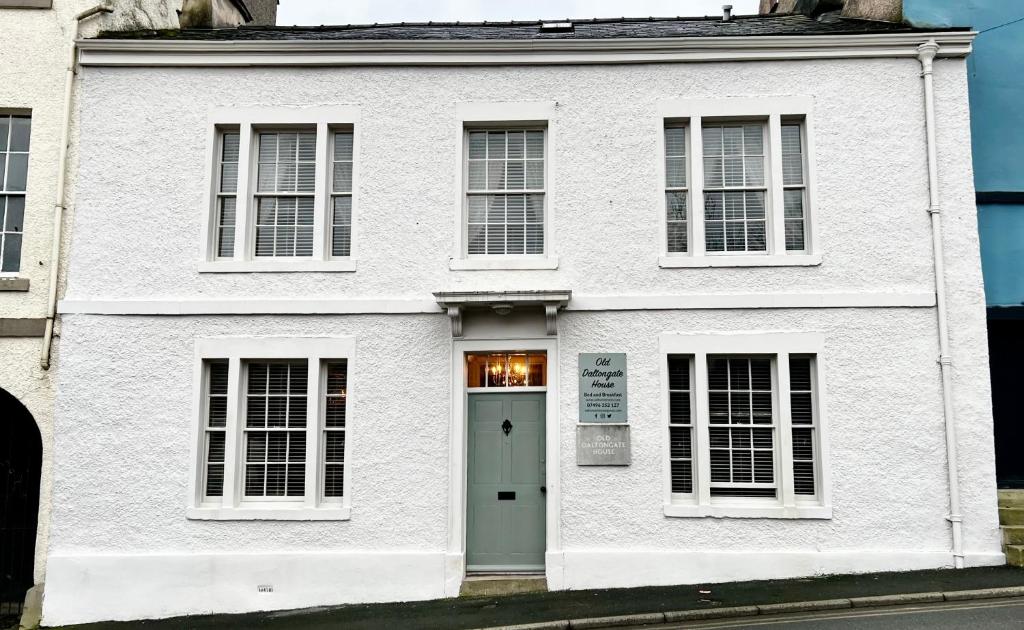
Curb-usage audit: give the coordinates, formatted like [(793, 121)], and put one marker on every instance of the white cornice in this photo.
[(165, 52)]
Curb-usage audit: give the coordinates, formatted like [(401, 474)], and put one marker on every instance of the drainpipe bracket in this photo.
[(945, 361), (934, 210), (955, 518)]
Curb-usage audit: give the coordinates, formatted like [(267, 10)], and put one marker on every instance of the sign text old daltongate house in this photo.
[(602, 387)]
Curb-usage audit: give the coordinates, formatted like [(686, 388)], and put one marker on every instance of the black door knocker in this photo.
[(506, 426)]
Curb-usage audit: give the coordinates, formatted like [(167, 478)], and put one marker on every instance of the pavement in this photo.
[(486, 612), (1000, 614)]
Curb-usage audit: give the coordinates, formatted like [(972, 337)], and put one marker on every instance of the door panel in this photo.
[(505, 533)]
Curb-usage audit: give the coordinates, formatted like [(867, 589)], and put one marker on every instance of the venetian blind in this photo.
[(804, 429), (275, 429), (335, 403), (286, 175), (680, 424), (215, 426), (734, 187), (505, 192), (794, 187), (676, 190), (742, 426), (341, 195), (227, 188)]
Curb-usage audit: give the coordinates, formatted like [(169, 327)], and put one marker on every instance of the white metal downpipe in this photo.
[(62, 164), (926, 54)]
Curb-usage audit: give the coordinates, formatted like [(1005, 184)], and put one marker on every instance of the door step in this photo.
[(1011, 519), (510, 584)]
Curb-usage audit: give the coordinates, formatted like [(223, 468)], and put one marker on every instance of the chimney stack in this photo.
[(726, 12)]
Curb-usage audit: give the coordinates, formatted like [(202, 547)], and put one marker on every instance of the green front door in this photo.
[(505, 511)]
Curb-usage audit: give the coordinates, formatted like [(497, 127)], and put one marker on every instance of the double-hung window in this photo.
[(744, 425), (282, 190), (504, 197), (273, 428), (14, 141), (505, 192), (737, 184)]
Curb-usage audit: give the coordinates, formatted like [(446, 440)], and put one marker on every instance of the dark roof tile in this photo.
[(597, 28)]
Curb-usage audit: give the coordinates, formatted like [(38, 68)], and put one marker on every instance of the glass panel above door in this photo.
[(506, 369)]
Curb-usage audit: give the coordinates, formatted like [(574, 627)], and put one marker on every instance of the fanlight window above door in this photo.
[(506, 369)]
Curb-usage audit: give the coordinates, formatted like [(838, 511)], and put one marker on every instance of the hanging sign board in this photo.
[(602, 387)]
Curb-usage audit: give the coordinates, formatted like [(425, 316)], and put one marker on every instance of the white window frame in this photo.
[(502, 116), (249, 122), (772, 111), (4, 112), (780, 345), (313, 506)]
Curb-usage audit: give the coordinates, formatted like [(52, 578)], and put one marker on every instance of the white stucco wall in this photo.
[(33, 60), (125, 402)]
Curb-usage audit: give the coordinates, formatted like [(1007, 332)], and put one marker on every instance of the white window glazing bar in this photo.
[(703, 468), (244, 210), (314, 385), (232, 447), (784, 449), (774, 210), (697, 244), (321, 169)]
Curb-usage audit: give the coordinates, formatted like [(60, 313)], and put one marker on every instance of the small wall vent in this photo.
[(265, 588)]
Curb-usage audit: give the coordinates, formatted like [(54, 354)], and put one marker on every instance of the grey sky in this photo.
[(369, 11)]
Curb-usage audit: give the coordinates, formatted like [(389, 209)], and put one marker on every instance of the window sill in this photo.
[(13, 283), (276, 266), (502, 262), (769, 260), (269, 514), (736, 511)]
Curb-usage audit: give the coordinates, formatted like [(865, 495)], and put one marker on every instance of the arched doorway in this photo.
[(21, 456)]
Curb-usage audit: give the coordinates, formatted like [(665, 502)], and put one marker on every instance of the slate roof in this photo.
[(596, 28)]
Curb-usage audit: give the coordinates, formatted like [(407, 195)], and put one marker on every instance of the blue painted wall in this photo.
[(996, 75)]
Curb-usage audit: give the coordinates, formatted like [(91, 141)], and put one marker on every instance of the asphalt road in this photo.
[(992, 614)]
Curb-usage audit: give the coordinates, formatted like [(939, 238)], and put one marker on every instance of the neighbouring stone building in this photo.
[(353, 311), (36, 118)]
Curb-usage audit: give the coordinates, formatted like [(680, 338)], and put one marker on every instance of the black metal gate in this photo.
[(21, 452)]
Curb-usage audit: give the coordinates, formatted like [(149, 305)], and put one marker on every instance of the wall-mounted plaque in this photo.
[(602, 387), (602, 445)]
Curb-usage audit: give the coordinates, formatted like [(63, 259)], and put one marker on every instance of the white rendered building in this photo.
[(335, 296)]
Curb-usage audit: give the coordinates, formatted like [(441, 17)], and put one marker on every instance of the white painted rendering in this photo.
[(33, 60), (138, 302)]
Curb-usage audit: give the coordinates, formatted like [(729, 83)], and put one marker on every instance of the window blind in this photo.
[(341, 195), (14, 147), (734, 187), (742, 426), (802, 415), (286, 175), (216, 426), (227, 172), (505, 192), (275, 429), (335, 403), (794, 187), (676, 191), (680, 424)]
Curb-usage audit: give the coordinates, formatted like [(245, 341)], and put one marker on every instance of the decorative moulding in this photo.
[(165, 52), (455, 303)]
